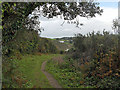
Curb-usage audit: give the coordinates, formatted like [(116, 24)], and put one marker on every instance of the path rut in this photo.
[(53, 82)]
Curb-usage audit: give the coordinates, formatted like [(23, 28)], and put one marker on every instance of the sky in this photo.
[(53, 28)]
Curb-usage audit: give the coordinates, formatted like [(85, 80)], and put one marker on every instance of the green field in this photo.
[(30, 68)]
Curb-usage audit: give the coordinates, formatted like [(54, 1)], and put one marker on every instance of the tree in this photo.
[(16, 18), (15, 14), (116, 27)]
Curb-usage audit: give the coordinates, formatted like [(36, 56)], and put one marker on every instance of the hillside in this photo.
[(62, 44)]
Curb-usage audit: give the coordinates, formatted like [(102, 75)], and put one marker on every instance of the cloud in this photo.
[(107, 0), (108, 15), (54, 29)]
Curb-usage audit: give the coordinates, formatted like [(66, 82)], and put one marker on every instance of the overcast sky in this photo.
[(53, 28)]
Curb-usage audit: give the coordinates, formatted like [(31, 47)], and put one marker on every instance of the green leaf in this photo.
[(15, 4)]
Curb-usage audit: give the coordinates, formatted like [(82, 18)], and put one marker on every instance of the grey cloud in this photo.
[(54, 29)]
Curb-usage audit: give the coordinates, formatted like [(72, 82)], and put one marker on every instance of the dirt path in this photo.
[(52, 81)]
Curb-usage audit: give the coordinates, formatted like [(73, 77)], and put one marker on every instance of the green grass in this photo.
[(30, 67)]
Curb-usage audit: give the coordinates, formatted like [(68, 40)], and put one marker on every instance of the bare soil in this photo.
[(53, 82)]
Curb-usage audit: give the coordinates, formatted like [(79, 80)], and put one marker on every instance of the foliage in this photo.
[(26, 42), (18, 29), (96, 66), (29, 42), (102, 62), (95, 43), (15, 14), (66, 74)]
